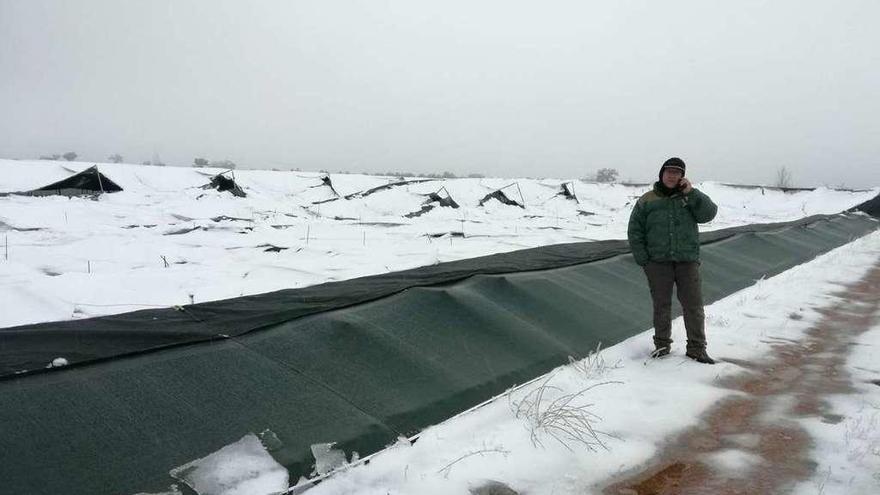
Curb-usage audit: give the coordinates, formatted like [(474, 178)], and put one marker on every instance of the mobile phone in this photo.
[(680, 187)]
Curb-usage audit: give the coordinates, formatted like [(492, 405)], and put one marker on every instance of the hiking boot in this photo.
[(660, 352), (700, 356)]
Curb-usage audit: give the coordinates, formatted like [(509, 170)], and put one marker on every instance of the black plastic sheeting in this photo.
[(222, 183), (328, 366), (501, 197), (363, 194), (428, 204), (567, 191), (445, 201), (326, 182), (871, 207), (89, 181)]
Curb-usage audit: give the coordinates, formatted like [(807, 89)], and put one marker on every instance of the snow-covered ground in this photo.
[(164, 241)]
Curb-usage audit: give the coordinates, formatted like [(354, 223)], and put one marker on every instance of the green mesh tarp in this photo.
[(28, 348), (360, 372)]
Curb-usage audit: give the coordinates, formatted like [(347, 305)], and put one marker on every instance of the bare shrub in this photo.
[(607, 175), (562, 418), (594, 365), (445, 470), (783, 177)]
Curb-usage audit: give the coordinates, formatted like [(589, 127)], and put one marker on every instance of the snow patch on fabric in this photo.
[(242, 468)]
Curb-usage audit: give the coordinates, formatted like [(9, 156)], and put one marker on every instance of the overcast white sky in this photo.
[(500, 87)]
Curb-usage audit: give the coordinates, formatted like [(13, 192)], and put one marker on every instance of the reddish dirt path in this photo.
[(750, 443)]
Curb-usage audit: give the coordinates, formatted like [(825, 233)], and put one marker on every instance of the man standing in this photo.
[(665, 241)]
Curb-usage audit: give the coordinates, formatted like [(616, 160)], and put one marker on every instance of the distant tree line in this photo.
[(69, 156), (429, 175), (114, 158), (604, 175), (201, 162)]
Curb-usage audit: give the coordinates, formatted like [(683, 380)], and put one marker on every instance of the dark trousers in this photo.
[(685, 277)]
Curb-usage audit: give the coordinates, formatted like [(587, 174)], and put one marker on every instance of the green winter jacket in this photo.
[(663, 227)]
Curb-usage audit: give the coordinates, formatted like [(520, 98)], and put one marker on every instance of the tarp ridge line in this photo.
[(105, 359)]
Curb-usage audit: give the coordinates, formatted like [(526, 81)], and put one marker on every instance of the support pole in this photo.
[(100, 184)]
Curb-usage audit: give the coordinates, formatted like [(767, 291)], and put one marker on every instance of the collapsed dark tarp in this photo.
[(424, 209), (500, 196), (445, 201), (362, 194), (567, 191), (89, 181), (222, 183), (871, 207), (445, 338), (434, 199), (326, 182)]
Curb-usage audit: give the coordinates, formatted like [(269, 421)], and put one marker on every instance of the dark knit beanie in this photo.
[(674, 162)]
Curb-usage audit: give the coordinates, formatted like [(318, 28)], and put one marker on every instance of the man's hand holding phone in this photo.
[(684, 185)]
